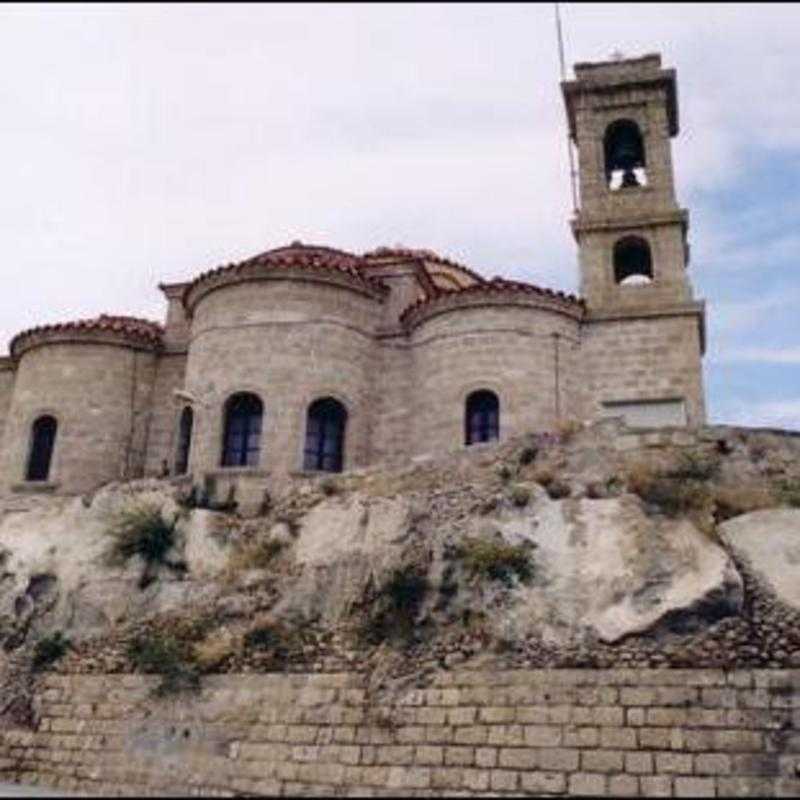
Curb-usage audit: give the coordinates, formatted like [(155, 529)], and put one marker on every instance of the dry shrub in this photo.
[(253, 554), (789, 493), (216, 648), (731, 501), (544, 476), (670, 495), (568, 428), (520, 495), (496, 560)]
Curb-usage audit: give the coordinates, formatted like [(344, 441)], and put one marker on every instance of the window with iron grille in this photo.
[(43, 440), (482, 420), (325, 430), (242, 439)]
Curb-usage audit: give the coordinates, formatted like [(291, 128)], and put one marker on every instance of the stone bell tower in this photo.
[(630, 230)]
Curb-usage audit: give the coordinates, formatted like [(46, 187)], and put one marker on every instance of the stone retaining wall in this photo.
[(665, 733)]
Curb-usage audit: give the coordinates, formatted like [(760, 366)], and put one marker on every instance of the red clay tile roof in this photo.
[(295, 255), (134, 329), (426, 255), (495, 286)]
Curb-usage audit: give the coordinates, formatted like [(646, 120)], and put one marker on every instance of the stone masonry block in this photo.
[(695, 787), (542, 736), (503, 780), (623, 786), (712, 764), (587, 784), (621, 738), (678, 763), (602, 761), (656, 786), (543, 782), (518, 758)]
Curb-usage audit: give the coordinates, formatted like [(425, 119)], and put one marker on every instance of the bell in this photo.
[(625, 157), (625, 153)]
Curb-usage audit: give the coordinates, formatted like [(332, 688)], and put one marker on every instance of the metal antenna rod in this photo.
[(570, 153)]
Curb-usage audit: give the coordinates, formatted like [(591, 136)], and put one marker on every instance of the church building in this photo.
[(307, 359)]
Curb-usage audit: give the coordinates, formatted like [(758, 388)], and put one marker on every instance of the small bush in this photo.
[(789, 493), (395, 608), (567, 428), (695, 466), (496, 560), (527, 456), (280, 643), (161, 654), (141, 530), (670, 495), (48, 650), (730, 501), (257, 554), (214, 649), (544, 476), (329, 487), (520, 495), (504, 472)]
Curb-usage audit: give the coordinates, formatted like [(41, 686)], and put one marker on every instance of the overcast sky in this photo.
[(146, 143)]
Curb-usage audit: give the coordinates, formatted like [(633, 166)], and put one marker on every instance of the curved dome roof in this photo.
[(293, 256), (110, 328)]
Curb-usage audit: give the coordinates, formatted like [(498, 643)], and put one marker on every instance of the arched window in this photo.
[(184, 441), (623, 147), (325, 429), (242, 440), (632, 261), (43, 440), (482, 421)]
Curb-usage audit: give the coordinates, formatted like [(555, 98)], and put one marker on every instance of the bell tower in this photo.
[(644, 333), (629, 228)]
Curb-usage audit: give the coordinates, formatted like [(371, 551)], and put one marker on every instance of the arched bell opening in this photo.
[(633, 263), (623, 147)]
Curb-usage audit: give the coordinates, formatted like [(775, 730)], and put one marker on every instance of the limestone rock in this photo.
[(603, 567), (769, 541), (345, 543)]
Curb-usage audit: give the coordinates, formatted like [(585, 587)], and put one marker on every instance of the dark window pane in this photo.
[(43, 439), (482, 417), (325, 432), (242, 437)]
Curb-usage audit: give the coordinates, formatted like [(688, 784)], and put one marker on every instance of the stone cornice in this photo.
[(614, 77), (583, 224), (695, 308)]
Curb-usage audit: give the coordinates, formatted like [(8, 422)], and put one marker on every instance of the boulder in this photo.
[(769, 542), (344, 545), (604, 568)]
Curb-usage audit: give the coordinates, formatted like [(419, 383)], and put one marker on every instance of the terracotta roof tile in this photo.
[(134, 328), (297, 255), (426, 255), (495, 286)]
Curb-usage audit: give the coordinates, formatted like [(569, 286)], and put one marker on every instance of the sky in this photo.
[(147, 143)]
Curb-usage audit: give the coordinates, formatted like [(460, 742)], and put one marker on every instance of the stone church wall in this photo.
[(100, 395), (290, 342), (6, 391), (166, 410), (642, 359), (613, 733), (507, 349)]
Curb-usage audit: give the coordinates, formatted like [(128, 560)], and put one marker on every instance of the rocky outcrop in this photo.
[(768, 542)]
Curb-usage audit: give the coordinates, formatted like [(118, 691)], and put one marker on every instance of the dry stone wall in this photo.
[(654, 733)]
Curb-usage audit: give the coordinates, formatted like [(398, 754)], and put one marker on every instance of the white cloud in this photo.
[(762, 355), (770, 414)]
